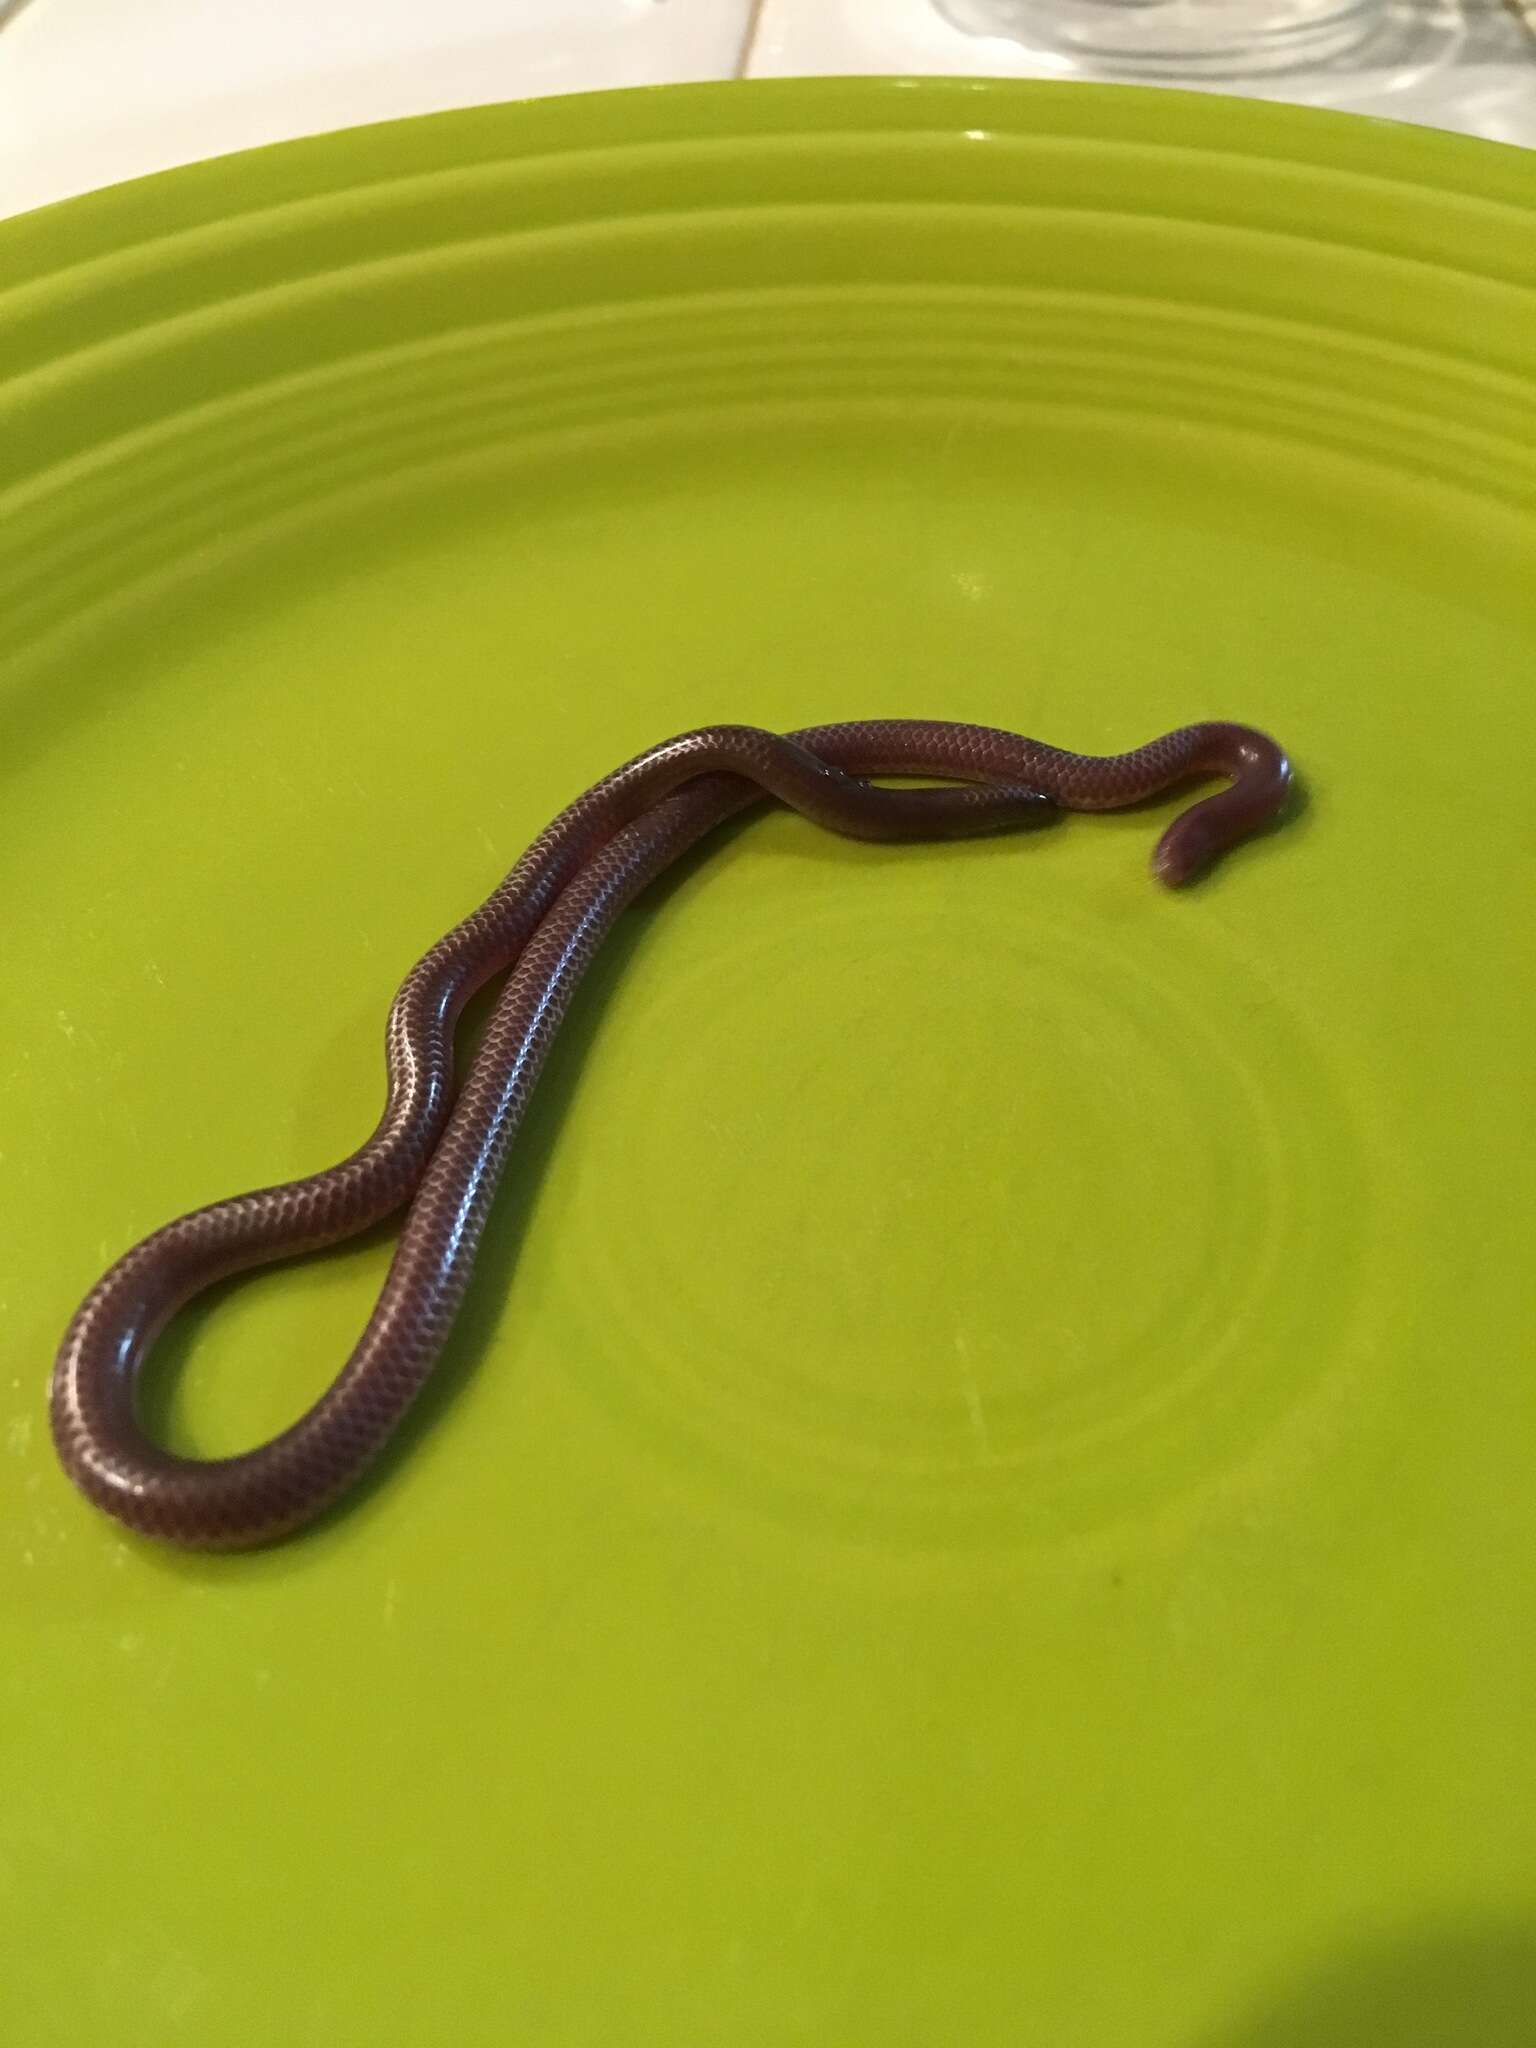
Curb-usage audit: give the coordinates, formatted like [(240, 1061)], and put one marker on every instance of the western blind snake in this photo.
[(444, 1156)]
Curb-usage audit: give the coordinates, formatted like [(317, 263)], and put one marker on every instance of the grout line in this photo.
[(749, 36)]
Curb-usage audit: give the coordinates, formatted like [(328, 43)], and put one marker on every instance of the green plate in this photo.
[(984, 1493)]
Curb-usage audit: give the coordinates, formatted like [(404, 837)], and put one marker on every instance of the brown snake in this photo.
[(445, 1156)]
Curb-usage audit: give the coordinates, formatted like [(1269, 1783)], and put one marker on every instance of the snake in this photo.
[(438, 1153)]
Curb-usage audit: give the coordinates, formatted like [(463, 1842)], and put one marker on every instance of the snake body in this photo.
[(444, 1155)]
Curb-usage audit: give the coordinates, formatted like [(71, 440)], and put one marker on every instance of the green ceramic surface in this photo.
[(984, 1493)]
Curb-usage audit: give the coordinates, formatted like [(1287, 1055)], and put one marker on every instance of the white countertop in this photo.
[(92, 91)]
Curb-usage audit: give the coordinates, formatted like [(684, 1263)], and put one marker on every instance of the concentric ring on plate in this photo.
[(484, 283), (1154, 1257)]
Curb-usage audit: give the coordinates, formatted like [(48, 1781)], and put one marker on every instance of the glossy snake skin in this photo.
[(444, 1156)]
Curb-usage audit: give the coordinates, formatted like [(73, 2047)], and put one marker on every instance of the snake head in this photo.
[(1261, 787)]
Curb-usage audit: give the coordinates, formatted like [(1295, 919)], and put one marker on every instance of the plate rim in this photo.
[(186, 196)]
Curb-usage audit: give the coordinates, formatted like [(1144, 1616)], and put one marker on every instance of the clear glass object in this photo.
[(1167, 37)]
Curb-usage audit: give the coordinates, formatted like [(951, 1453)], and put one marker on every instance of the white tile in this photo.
[(1462, 64), (92, 91)]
